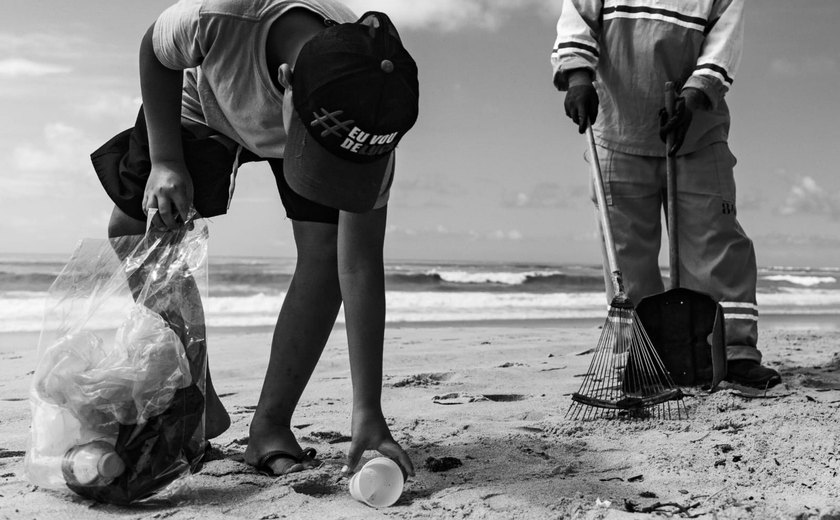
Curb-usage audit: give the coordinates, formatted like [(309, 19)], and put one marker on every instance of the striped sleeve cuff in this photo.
[(571, 55), (577, 47), (711, 83)]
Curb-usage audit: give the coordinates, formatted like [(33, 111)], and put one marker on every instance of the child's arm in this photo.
[(169, 188), (361, 275)]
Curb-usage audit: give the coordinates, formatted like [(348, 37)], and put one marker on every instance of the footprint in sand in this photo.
[(461, 398), (819, 384), (505, 398), (8, 454)]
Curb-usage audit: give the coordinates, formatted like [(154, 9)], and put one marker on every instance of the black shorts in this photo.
[(123, 167)]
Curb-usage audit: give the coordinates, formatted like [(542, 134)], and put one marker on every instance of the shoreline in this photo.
[(767, 321)]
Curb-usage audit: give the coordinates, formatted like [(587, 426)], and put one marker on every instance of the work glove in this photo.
[(581, 105), (680, 120)]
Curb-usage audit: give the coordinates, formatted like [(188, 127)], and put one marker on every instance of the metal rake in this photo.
[(626, 378)]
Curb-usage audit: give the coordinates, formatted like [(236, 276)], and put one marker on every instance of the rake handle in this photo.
[(601, 199), (671, 181)]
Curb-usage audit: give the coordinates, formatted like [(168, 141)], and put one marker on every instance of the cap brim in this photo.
[(315, 173)]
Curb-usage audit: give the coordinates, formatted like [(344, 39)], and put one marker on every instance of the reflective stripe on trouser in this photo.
[(716, 256)]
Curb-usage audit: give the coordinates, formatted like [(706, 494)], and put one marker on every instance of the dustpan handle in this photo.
[(671, 180), (601, 199)]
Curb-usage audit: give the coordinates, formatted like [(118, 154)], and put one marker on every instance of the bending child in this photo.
[(324, 98)]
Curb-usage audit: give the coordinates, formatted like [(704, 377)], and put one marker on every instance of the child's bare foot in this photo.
[(274, 450)]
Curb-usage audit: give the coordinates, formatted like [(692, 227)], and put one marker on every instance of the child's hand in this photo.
[(370, 432), (170, 190)]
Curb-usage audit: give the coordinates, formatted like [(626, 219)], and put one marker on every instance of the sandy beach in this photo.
[(494, 396)]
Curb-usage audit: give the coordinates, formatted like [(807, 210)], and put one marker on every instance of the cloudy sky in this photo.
[(492, 171)]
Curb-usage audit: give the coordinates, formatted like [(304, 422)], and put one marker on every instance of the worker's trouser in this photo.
[(716, 256)]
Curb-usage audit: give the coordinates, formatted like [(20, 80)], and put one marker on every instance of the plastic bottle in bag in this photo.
[(92, 464)]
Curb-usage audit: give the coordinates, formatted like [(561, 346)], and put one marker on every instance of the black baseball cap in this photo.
[(356, 95)]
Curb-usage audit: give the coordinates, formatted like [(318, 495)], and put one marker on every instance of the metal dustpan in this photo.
[(686, 327)]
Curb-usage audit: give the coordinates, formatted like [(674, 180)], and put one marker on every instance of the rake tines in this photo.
[(626, 377)]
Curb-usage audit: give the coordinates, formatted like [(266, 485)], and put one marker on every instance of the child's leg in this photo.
[(216, 419), (123, 166), (303, 327)]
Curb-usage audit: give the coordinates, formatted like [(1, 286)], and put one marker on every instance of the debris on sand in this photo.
[(422, 380), (330, 437), (436, 465)]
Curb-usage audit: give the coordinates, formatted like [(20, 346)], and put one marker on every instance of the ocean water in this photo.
[(248, 292)]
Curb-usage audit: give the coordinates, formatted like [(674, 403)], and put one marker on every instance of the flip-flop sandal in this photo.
[(263, 466)]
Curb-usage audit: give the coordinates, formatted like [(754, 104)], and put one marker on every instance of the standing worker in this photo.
[(613, 59)]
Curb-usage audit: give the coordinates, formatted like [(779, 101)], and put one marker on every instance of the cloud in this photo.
[(449, 15), (58, 166), (546, 195), (502, 234), (458, 235), (429, 190), (807, 197), (21, 68), (111, 105), (61, 151), (807, 66), (53, 46), (432, 184), (38, 54)]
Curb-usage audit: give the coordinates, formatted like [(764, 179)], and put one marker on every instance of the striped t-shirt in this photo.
[(220, 44)]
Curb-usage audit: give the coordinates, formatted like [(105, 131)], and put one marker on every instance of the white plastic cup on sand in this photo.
[(378, 484)]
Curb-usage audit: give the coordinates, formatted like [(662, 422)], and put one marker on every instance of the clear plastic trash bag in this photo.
[(121, 360)]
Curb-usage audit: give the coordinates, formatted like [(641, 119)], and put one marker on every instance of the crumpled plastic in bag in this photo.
[(126, 384), (157, 453), (122, 359)]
